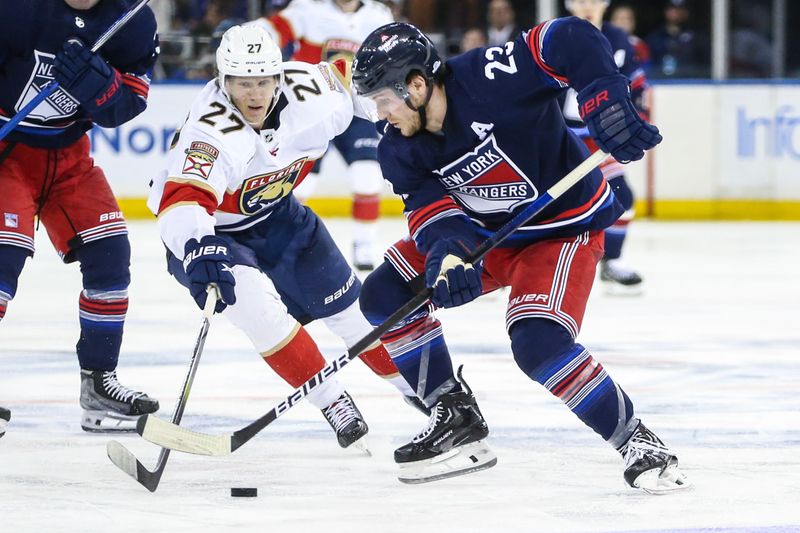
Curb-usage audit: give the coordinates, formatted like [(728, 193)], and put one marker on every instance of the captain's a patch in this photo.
[(200, 157)]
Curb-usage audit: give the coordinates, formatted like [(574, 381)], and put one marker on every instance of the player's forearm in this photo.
[(184, 222)]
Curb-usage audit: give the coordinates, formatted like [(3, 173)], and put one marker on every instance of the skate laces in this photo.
[(642, 444), (433, 421), (117, 390), (340, 413)]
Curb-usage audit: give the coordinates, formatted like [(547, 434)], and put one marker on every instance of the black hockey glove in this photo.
[(86, 76), (207, 262), (606, 108), (454, 282)]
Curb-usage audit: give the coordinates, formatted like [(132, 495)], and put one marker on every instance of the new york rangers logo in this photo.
[(486, 180), (263, 191), (58, 105)]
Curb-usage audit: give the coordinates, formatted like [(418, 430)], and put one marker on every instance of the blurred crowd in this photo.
[(672, 37)]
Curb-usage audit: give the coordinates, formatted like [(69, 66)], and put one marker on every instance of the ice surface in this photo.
[(710, 355)]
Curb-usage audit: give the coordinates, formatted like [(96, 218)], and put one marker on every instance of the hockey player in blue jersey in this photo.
[(612, 270), (47, 174), (467, 144)]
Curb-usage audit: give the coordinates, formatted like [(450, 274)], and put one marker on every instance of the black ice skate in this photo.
[(110, 407), (5, 416), (650, 465), (619, 278), (346, 420), (451, 445)]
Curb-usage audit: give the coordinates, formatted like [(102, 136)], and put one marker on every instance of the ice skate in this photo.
[(346, 420), (5, 416), (362, 256), (619, 279), (110, 407), (650, 465), (451, 444)]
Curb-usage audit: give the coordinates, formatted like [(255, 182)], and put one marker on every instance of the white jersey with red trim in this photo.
[(323, 31), (223, 175)]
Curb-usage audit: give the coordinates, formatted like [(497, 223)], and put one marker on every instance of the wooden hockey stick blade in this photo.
[(174, 437), (128, 463), (177, 438)]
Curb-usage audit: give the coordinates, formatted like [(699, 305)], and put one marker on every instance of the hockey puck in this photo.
[(244, 492)]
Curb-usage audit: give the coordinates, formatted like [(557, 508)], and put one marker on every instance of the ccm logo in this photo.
[(593, 103)]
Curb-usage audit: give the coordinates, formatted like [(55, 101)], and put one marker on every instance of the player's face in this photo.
[(394, 110), (591, 10), (252, 96), (82, 4)]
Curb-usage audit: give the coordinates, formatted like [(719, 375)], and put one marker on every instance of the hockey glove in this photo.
[(606, 108), (453, 281), (86, 76), (207, 262)]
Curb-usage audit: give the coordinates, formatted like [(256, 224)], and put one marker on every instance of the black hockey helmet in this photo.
[(389, 54)]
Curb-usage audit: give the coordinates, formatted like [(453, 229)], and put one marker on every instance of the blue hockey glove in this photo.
[(606, 108), (206, 262), (454, 282), (86, 76)]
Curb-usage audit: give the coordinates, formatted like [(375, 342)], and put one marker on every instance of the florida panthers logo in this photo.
[(486, 180), (335, 49), (58, 105), (263, 191)]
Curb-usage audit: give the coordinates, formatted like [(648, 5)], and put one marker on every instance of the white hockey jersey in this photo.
[(224, 175), (323, 31)]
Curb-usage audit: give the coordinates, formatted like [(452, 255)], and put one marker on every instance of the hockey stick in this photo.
[(51, 87), (181, 439), (121, 456)]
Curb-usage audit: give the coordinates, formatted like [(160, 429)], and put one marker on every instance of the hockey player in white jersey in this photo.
[(328, 30), (228, 217)]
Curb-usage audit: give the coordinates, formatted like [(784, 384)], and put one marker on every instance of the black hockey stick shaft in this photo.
[(121, 456), (243, 435), (51, 87)]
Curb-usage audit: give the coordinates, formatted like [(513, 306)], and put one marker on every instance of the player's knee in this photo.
[(537, 340), (12, 260), (622, 191), (105, 264), (382, 293)]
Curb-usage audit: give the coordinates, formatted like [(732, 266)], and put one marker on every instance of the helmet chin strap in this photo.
[(421, 109)]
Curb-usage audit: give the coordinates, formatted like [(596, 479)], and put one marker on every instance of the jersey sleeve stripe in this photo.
[(137, 84), (581, 209), (187, 192), (419, 218), (284, 29), (536, 41)]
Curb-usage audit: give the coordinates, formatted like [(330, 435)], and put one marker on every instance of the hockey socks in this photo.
[(102, 318), (296, 360), (379, 361)]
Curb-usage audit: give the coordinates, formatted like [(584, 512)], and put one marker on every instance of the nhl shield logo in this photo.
[(58, 105), (486, 180), (263, 191)]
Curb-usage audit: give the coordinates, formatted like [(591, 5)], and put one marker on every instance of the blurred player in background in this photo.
[(468, 143), (327, 30), (612, 270), (46, 173), (227, 215)]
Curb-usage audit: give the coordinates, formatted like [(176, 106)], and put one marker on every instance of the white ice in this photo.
[(709, 355)]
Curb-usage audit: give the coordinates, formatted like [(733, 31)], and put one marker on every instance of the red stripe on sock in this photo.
[(298, 360)]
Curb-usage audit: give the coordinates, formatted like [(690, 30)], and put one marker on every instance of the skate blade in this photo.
[(459, 461), (360, 447), (660, 483), (107, 422)]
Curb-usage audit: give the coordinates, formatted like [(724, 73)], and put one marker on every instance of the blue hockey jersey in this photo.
[(504, 142), (34, 31)]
